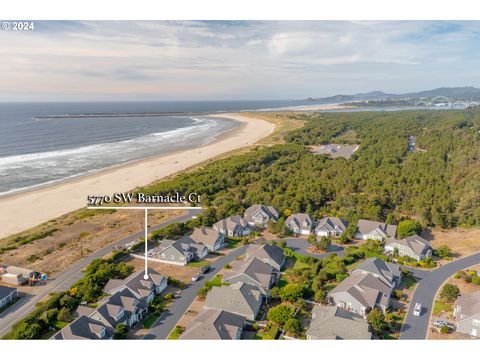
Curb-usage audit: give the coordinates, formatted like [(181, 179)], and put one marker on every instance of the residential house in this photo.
[(466, 311), (333, 322), (85, 328), (259, 215), (388, 272), (134, 309), (413, 246), (331, 227), (254, 272), (300, 224), (361, 292), (141, 288), (209, 237), (121, 308), (7, 296), (177, 252), (374, 230), (233, 226), (215, 325), (239, 298), (269, 254)]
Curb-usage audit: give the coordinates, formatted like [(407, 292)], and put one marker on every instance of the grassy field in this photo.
[(440, 306), (197, 263)]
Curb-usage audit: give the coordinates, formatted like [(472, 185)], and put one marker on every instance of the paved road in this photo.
[(69, 276), (301, 245), (429, 282), (165, 324)]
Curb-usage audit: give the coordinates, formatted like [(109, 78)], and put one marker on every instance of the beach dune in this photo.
[(24, 210)]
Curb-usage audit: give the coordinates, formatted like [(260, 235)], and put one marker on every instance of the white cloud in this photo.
[(220, 60)]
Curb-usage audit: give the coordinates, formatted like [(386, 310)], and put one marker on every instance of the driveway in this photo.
[(167, 321), (69, 276), (429, 282)]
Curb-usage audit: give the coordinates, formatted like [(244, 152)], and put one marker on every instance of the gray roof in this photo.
[(6, 291), (136, 283), (334, 322), (416, 243), (84, 328), (331, 223), (367, 289), (231, 222), (109, 312), (256, 270), (269, 210), (214, 325), (366, 226), (377, 266), (266, 251), (183, 246), (205, 236), (469, 305), (240, 298), (127, 300), (303, 221)]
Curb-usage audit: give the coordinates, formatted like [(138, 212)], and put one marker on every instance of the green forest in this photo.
[(437, 185)]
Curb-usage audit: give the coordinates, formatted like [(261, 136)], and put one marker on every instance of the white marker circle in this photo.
[(145, 277)]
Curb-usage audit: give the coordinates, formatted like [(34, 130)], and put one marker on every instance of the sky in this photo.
[(228, 60)]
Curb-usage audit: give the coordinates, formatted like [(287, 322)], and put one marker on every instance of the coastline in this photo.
[(21, 211)]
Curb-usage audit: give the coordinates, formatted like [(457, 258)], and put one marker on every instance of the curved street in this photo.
[(63, 281), (429, 282)]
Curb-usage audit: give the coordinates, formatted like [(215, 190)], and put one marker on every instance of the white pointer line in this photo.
[(146, 245), (146, 208)]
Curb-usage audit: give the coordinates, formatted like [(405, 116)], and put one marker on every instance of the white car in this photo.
[(195, 277), (417, 311)]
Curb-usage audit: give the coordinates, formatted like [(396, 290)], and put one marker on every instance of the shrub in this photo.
[(449, 293), (169, 296), (275, 293), (408, 227), (202, 292), (65, 315), (376, 318), (120, 332), (443, 251), (444, 329), (291, 292), (280, 314), (175, 282), (293, 327)]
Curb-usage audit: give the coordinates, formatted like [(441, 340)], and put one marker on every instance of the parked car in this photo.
[(205, 269), (442, 323), (196, 277), (417, 311)]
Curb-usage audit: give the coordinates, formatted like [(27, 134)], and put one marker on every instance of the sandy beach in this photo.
[(24, 210)]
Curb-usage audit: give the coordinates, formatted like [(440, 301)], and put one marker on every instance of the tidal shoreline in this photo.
[(21, 211)]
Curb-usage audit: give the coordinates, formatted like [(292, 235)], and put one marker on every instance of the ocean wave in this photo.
[(200, 125)]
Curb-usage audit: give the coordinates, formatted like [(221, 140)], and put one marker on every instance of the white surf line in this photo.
[(145, 208)]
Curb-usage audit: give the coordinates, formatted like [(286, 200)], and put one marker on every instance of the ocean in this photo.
[(43, 143)]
